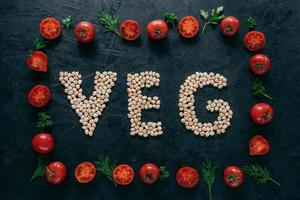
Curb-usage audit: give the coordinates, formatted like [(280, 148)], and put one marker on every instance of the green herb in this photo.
[(260, 174), (106, 167), (258, 89), (39, 43), (214, 17), (251, 22), (164, 172), (109, 22), (44, 121), (40, 169), (68, 21), (172, 19), (209, 172)]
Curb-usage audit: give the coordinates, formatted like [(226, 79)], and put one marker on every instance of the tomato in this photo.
[(258, 145), (230, 26), (42, 143), (130, 30), (56, 172), (149, 173), (260, 64), (188, 27), (85, 172), (39, 96), (233, 176), (157, 29), (123, 174), (50, 28), (187, 177), (262, 113), (38, 61), (254, 40), (85, 32)]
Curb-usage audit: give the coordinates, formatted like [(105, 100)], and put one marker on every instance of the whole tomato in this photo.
[(157, 29), (260, 64), (42, 143), (258, 145), (56, 172), (149, 173), (187, 177), (85, 32), (230, 26), (262, 113), (233, 176)]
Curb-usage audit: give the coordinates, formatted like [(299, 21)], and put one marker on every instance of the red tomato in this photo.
[(260, 64), (85, 172), (187, 177), (262, 113), (38, 61), (85, 32), (130, 30), (230, 26), (50, 28), (39, 96), (233, 176), (254, 40), (149, 173), (123, 174), (56, 172), (42, 143), (188, 27), (258, 145), (157, 29)]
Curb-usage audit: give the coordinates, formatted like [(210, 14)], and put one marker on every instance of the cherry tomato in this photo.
[(187, 177), (149, 173), (50, 28), (56, 172), (258, 145), (85, 32), (130, 30), (230, 26), (42, 143), (123, 174), (233, 176), (188, 27), (39, 96), (262, 113), (260, 64), (85, 172), (38, 61), (157, 29), (254, 40)]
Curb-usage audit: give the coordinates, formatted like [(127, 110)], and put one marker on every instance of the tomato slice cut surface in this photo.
[(50, 28), (188, 26), (85, 172), (123, 174), (187, 177), (254, 40), (39, 96), (130, 30), (38, 61)]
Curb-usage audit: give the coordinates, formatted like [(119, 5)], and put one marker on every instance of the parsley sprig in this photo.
[(214, 17), (68, 21), (171, 18), (209, 172), (251, 22), (259, 89), (109, 22), (164, 172), (106, 167), (40, 169), (44, 121), (40, 43)]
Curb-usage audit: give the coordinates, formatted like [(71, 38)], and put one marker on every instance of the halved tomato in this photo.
[(254, 40), (123, 174), (38, 61), (39, 96), (130, 30), (258, 145), (85, 172), (50, 28), (187, 177), (188, 26)]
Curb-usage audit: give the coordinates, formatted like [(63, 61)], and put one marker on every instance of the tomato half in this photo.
[(260, 64), (149, 173), (43, 143), (56, 172), (157, 29), (262, 113), (130, 30), (254, 40), (38, 61), (188, 26), (85, 32), (233, 176), (230, 26), (85, 172), (187, 177), (258, 145), (39, 96), (50, 28), (123, 174)]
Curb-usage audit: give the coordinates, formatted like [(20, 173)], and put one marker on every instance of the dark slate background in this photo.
[(175, 59)]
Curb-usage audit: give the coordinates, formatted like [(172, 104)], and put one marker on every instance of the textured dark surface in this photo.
[(174, 59)]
